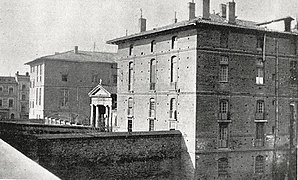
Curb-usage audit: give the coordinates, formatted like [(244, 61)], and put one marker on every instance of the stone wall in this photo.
[(136, 155)]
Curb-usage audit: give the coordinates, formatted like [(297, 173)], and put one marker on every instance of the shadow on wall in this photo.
[(187, 168)]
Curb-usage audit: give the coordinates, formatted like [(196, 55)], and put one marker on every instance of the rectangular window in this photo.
[(260, 110), (130, 76), (129, 124), (1, 88), (223, 73), (173, 110), (151, 124), (64, 77), (130, 107), (39, 99), (223, 135), (1, 103), (40, 73), (259, 164), (260, 134), (36, 98), (260, 71), (37, 73), (293, 72), (152, 108), (223, 109), (64, 97), (23, 108), (224, 39), (23, 87), (223, 165), (174, 72), (152, 74), (10, 90), (10, 103), (260, 42), (23, 97)]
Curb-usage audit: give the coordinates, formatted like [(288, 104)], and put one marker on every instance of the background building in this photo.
[(14, 97), (60, 83), (229, 85)]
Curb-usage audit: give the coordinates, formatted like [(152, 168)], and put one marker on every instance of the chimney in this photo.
[(142, 23), (17, 73), (287, 22), (175, 18), (27, 73), (223, 10), (76, 49), (206, 9), (231, 12), (192, 10)]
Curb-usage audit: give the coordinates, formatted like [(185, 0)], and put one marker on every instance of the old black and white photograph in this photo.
[(148, 90)]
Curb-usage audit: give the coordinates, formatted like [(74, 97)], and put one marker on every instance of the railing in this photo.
[(223, 116), (222, 143)]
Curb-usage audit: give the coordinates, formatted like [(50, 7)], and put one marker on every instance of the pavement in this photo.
[(15, 165)]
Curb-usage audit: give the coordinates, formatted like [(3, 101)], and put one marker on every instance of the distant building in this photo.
[(14, 97), (230, 86), (60, 83)]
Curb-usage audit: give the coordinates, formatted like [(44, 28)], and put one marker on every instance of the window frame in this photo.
[(174, 42), (10, 105), (152, 74), (223, 167), (153, 46), (259, 164), (224, 73), (260, 134), (223, 135), (64, 77), (152, 108)]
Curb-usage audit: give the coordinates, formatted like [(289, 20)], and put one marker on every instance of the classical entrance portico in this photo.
[(101, 104)]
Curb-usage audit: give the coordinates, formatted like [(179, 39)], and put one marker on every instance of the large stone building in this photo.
[(14, 97), (229, 85), (60, 83)]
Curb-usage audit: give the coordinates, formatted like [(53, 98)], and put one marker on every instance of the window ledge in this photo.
[(224, 149), (261, 120), (223, 81), (224, 120), (260, 84), (151, 118), (173, 119)]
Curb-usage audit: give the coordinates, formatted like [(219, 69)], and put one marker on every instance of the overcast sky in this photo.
[(33, 28)]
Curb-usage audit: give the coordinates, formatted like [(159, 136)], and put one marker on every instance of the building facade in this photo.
[(230, 87), (14, 97), (60, 84)]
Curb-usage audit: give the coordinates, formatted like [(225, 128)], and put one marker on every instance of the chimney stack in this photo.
[(223, 10), (76, 49), (175, 18), (27, 73), (192, 10), (231, 12), (288, 22), (206, 9), (142, 23)]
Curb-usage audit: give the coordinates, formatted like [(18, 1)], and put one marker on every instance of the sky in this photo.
[(33, 28)]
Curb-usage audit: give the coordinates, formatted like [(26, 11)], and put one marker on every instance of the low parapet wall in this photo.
[(120, 155)]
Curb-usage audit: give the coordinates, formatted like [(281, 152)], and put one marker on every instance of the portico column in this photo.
[(91, 116), (97, 116), (110, 118)]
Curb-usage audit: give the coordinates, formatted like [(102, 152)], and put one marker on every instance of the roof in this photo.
[(81, 56), (215, 19)]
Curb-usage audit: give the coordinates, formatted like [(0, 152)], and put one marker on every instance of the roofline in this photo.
[(195, 22), (48, 57)]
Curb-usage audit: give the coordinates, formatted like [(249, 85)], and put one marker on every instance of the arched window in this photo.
[(223, 165), (153, 44), (130, 76), (174, 42), (10, 90), (259, 164), (130, 53), (173, 109), (12, 116), (174, 71), (152, 74)]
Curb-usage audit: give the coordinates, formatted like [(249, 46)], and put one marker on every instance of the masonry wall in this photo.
[(79, 83), (242, 92), (141, 94)]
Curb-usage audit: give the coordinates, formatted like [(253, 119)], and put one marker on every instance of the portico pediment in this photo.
[(99, 91)]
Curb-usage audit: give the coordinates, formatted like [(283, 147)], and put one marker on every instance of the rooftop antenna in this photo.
[(126, 32), (94, 45), (141, 13)]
